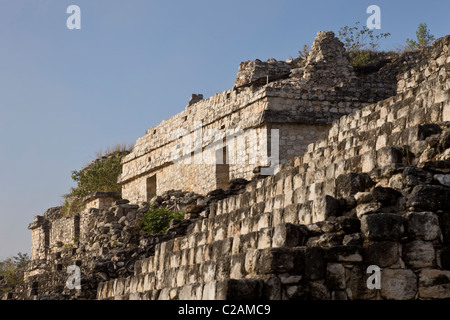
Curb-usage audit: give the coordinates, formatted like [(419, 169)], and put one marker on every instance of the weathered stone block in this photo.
[(381, 142), (368, 161), (300, 195), (412, 176), (343, 253), (252, 71), (445, 258), (439, 166), (445, 226), (133, 284), (314, 263), (398, 284), (291, 213), (382, 226), (263, 221), (149, 282), (119, 287), (223, 267), (181, 274), (422, 225), (251, 260), (209, 290), (278, 201), (289, 235), (237, 266), (335, 276), (219, 233), (429, 198), (272, 288), (249, 241), (386, 196), (319, 291), (354, 239), (367, 208), (348, 224), (421, 132), (389, 155), (242, 289), (443, 179), (304, 215), (198, 273), (434, 284), (209, 270), (419, 254), (188, 292), (339, 295), (265, 238), (381, 253), (315, 190), (325, 207), (135, 296), (351, 183), (363, 197), (326, 240), (281, 260), (446, 111)]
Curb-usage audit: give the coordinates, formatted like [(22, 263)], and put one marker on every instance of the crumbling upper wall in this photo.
[(426, 70), (259, 73), (327, 63)]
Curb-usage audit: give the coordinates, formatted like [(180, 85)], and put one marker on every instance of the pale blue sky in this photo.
[(66, 94)]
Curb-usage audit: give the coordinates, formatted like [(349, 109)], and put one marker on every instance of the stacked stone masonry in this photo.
[(373, 190), (312, 230), (180, 153)]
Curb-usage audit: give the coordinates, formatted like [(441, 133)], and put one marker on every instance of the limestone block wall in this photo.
[(372, 191), (39, 243), (40, 234), (100, 202), (155, 151), (244, 154), (86, 224), (276, 106), (136, 189), (64, 231), (427, 68), (294, 138), (178, 177), (243, 249), (52, 232), (317, 96), (225, 110), (251, 72)]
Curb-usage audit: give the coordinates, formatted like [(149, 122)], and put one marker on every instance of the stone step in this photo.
[(229, 289), (307, 263), (169, 256), (284, 235), (302, 203), (350, 154)]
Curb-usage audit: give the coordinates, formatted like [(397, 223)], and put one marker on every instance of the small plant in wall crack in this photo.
[(157, 220)]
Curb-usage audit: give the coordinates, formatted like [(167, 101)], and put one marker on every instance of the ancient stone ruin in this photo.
[(361, 179)]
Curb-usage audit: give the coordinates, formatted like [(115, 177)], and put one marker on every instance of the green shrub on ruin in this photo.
[(361, 44), (424, 38), (99, 176), (157, 220)]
